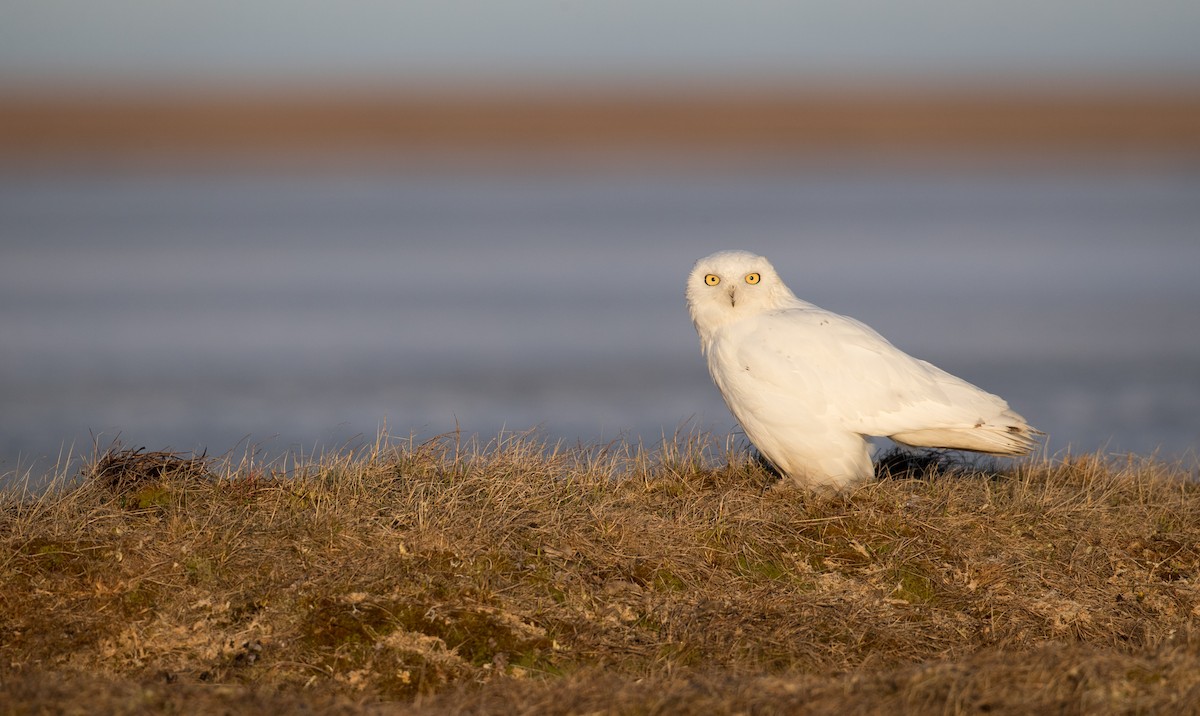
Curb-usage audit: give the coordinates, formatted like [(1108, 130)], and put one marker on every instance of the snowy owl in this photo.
[(808, 385)]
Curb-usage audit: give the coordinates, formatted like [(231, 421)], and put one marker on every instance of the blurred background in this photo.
[(283, 225)]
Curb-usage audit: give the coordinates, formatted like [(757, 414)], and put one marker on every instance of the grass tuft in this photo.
[(124, 469)]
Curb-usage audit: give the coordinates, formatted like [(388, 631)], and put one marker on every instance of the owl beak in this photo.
[(733, 296)]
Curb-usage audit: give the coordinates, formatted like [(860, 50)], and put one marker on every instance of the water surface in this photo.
[(198, 312)]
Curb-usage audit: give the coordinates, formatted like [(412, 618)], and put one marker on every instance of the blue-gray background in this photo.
[(191, 312), (474, 41)]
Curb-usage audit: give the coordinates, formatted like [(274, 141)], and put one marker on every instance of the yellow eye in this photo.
[(752, 278), (712, 279)]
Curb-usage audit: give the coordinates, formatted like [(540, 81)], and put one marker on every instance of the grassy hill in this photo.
[(438, 577)]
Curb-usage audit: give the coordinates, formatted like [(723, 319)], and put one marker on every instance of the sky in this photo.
[(72, 42)]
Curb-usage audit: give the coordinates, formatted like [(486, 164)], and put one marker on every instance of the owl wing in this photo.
[(839, 371)]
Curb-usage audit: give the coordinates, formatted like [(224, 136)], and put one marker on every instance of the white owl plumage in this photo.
[(808, 386)]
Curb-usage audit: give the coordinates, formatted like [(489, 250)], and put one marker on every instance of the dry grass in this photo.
[(436, 577)]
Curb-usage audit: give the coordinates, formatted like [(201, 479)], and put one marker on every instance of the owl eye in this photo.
[(712, 279), (752, 278)]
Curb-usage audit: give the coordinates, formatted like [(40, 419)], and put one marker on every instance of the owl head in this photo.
[(729, 285)]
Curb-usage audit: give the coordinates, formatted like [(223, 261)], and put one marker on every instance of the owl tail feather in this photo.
[(1012, 438)]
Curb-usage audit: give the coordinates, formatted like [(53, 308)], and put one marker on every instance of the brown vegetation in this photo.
[(424, 578), (720, 123)]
